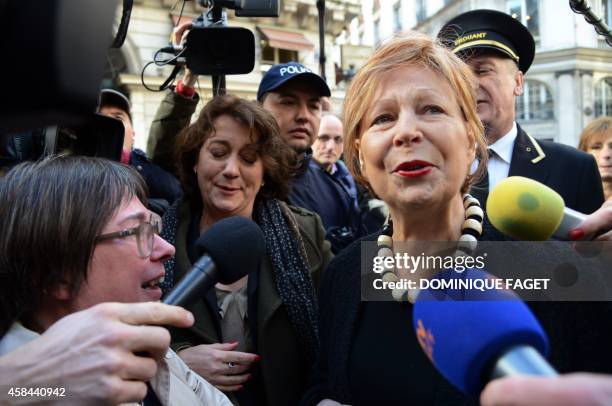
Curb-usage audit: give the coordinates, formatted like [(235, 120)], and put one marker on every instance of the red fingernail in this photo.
[(241, 387), (234, 342), (257, 358), (576, 234)]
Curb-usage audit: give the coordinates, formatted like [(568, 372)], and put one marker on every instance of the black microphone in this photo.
[(233, 247)]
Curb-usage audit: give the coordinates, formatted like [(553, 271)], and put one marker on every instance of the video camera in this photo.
[(213, 48), (55, 82), (99, 136)]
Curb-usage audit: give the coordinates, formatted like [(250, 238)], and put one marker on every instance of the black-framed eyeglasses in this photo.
[(145, 235)]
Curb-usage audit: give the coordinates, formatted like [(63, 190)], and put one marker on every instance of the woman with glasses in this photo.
[(76, 233), (255, 339)]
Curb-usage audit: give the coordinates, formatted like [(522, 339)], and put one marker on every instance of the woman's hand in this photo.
[(598, 223), (220, 365)]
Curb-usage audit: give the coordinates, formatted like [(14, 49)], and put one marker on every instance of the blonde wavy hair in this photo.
[(597, 130), (410, 49)]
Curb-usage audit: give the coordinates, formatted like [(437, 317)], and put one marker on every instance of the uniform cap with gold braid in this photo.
[(490, 29)]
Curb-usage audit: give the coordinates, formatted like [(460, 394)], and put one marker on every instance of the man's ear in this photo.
[(519, 82)]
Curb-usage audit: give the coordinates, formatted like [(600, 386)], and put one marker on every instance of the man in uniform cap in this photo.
[(500, 50)]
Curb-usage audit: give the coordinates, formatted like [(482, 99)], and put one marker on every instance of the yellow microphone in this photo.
[(527, 210)]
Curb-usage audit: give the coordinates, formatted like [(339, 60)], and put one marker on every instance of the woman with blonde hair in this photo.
[(596, 139), (412, 135)]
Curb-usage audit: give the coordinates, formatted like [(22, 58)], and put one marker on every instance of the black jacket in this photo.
[(579, 334), (164, 188)]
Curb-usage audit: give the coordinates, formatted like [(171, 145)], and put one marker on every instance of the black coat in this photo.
[(579, 334), (164, 188)]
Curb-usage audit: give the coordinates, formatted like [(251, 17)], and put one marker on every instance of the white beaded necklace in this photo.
[(468, 241)]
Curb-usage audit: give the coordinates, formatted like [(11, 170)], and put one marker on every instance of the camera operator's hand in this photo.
[(179, 36), (102, 355), (220, 365)]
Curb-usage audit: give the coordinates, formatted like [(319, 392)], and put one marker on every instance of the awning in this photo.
[(282, 39)]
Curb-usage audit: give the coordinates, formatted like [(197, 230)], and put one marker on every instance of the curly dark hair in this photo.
[(277, 157)]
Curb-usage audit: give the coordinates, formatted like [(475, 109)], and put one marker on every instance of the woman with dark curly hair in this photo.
[(257, 338)]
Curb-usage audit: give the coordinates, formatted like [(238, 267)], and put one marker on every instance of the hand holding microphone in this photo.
[(597, 226), (223, 261), (527, 210), (219, 363)]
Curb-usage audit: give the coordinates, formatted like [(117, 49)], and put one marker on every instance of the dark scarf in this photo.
[(291, 275)]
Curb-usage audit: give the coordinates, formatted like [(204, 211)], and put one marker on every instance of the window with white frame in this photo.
[(536, 102), (527, 12), (603, 97)]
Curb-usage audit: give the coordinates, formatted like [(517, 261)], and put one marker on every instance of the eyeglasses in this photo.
[(145, 235)]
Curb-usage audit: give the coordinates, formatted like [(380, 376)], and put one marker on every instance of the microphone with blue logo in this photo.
[(473, 336)]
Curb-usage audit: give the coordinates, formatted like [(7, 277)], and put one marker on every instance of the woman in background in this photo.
[(596, 139), (256, 339)]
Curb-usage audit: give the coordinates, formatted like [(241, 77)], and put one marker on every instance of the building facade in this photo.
[(294, 35), (570, 81)]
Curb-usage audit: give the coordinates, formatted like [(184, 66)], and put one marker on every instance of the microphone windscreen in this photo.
[(464, 333), (236, 246), (525, 209)]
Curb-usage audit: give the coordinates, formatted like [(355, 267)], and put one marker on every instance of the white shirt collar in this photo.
[(504, 146), (15, 337)]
